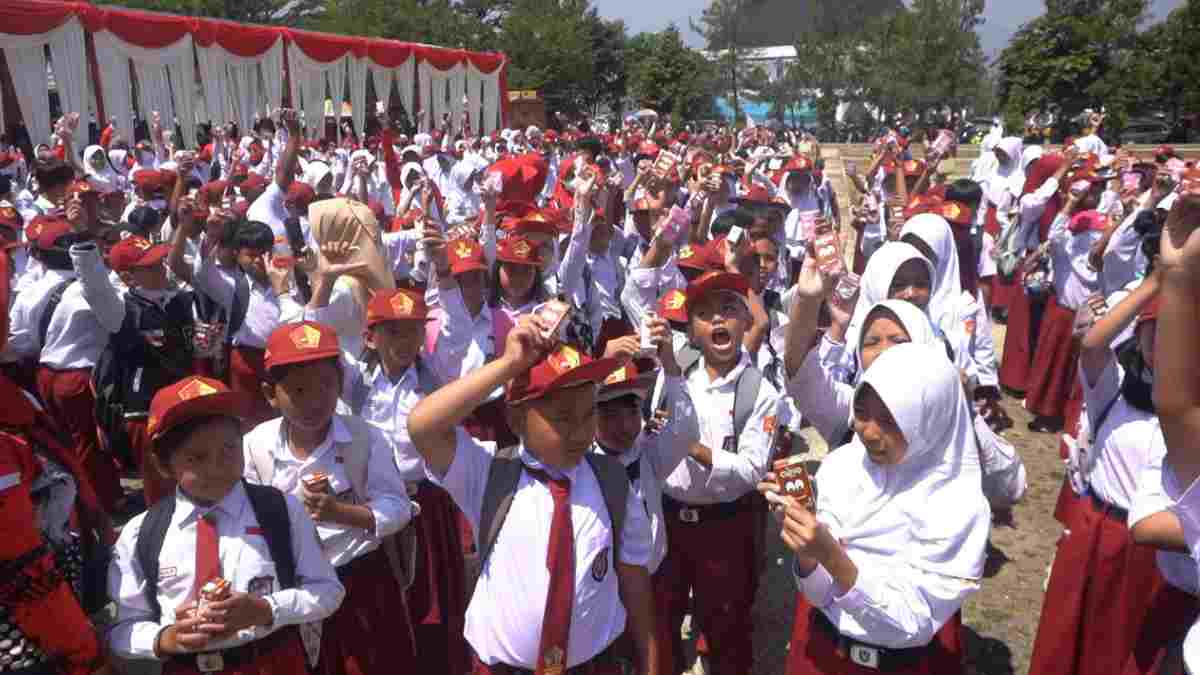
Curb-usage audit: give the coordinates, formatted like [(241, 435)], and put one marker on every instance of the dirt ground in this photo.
[(1001, 619)]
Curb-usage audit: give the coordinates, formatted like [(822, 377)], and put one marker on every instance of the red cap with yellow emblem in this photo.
[(562, 368), (301, 342), (711, 282), (132, 252), (624, 381), (693, 256), (672, 306), (400, 304), (191, 398), (518, 251), (466, 255), (10, 218)]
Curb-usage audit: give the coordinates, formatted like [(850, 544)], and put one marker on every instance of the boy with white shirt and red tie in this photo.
[(344, 471), (710, 496), (252, 546), (557, 612)]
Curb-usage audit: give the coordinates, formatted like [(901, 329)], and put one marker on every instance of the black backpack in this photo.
[(270, 507)]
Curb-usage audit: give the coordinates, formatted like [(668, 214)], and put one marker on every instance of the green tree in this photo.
[(549, 45), (250, 11), (1080, 54), (667, 76), (722, 24), (608, 47)]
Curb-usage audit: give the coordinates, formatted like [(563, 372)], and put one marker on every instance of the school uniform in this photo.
[(1174, 606), (1122, 259), (504, 621), (265, 311), (373, 596), (902, 614), (593, 282), (1053, 375), (1025, 313), (703, 505), (242, 558), (1102, 584), (74, 340), (437, 600)]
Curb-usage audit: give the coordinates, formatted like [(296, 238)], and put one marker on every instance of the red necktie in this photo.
[(560, 560), (208, 563)]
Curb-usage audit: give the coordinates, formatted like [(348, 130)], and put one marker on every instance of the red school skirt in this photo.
[(437, 600), (1020, 337), (815, 651), (1055, 364), (1102, 589), (370, 633)]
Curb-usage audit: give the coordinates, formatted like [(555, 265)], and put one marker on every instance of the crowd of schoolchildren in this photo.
[(520, 403)]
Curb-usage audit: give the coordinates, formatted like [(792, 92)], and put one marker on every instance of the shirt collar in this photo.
[(187, 511), (337, 434), (530, 461), (626, 458)]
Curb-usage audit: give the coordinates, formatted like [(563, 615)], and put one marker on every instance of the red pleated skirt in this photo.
[(814, 652), (1055, 363), (437, 600), (1020, 337), (370, 633), (1102, 588), (1172, 612), (860, 260)]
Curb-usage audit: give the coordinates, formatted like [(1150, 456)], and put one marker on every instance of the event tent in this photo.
[(241, 70)]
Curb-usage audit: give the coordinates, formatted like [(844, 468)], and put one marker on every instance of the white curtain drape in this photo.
[(404, 82), (151, 66), (243, 93), (271, 64), (28, 68), (474, 99), (424, 99), (232, 83), (114, 83), (438, 81), (27, 64), (491, 100), (456, 86), (310, 77), (357, 72), (382, 79)]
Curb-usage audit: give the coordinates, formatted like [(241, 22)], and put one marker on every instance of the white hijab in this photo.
[(102, 180), (315, 172), (462, 203), (928, 511), (946, 292), (913, 319), (1009, 176), (877, 280)]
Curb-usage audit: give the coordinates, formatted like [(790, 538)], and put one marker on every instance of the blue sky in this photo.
[(1003, 17)]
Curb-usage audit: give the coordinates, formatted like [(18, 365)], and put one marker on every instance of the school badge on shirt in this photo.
[(600, 566)]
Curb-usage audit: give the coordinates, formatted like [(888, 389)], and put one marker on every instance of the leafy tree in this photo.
[(667, 76), (1080, 54), (250, 11), (608, 47), (723, 24), (549, 44)]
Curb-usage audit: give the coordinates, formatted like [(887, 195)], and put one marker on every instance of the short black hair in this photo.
[(274, 376), (625, 400), (965, 191), (52, 173), (166, 444), (144, 219), (254, 235)]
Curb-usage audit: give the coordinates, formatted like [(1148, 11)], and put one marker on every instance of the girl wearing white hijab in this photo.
[(100, 174), (898, 539)]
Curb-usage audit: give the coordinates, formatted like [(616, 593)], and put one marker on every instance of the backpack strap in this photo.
[(149, 546), (614, 486), (263, 463), (270, 507), (52, 303), (503, 476), (744, 398), (239, 307)]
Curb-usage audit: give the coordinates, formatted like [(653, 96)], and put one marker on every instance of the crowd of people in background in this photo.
[(439, 401)]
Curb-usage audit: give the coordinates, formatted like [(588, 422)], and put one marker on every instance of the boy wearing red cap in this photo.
[(710, 497), (344, 471), (154, 336), (383, 388), (218, 576), (64, 341), (547, 599)]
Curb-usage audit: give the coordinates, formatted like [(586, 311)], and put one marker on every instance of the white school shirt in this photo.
[(386, 494), (821, 393), (386, 408), (645, 285), (1187, 507), (1074, 278), (504, 619), (1122, 260), (245, 562), (1159, 491), (732, 475), (1125, 444), (265, 311), (345, 315), (659, 455), (1033, 205), (464, 343), (74, 336)]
